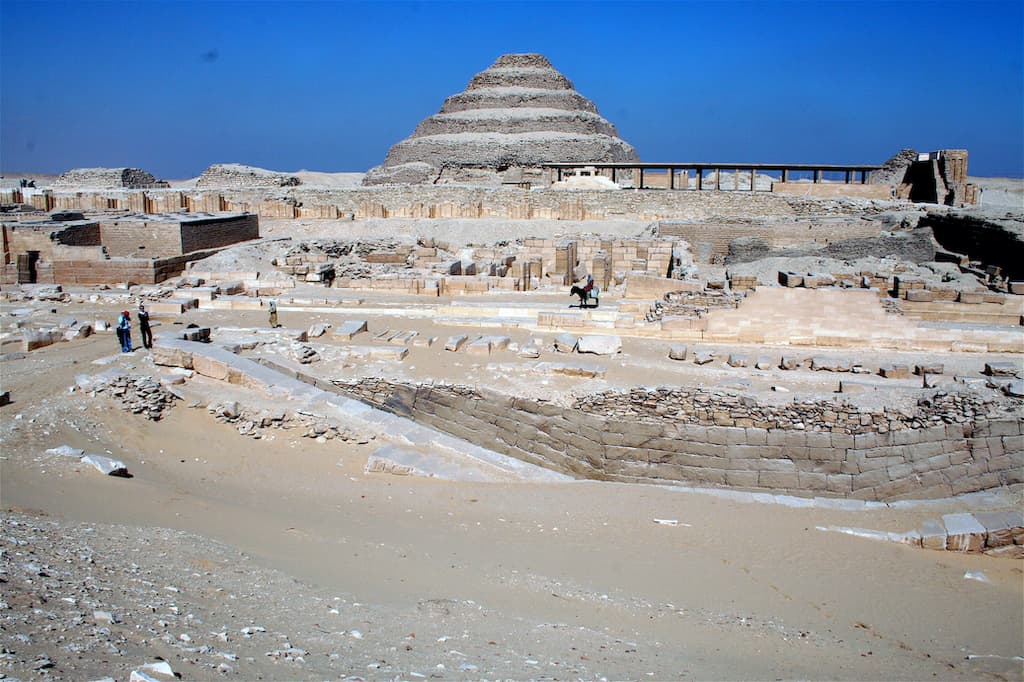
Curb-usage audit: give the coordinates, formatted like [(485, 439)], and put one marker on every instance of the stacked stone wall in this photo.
[(706, 211), (154, 239), (209, 234), (868, 460)]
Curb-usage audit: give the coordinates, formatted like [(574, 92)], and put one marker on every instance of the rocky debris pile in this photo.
[(710, 407), (694, 304), (108, 178), (894, 170), (513, 117), (137, 394), (239, 175), (306, 355), (254, 423)]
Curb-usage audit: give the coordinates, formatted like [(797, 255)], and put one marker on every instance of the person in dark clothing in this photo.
[(147, 334), (124, 331)]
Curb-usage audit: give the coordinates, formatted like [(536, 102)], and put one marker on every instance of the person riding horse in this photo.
[(587, 291)]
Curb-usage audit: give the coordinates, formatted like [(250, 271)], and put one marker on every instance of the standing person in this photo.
[(272, 307), (147, 335), (124, 327)]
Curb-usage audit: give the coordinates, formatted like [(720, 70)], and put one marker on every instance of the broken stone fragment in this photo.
[(677, 351), (318, 329), (565, 343), (599, 345), (790, 362), (454, 343), (703, 357), (819, 363), (894, 371), (106, 465), (65, 451), (737, 360), (1002, 369)]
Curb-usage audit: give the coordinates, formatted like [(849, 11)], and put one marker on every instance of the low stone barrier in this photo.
[(860, 456)]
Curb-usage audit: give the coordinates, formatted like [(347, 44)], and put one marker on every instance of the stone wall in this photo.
[(675, 437), (833, 189), (136, 238), (709, 210), (209, 234)]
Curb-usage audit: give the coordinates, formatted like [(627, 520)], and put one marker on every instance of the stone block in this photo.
[(763, 362), (933, 535), (778, 479), (929, 368), (208, 367), (1016, 288), (827, 364), (738, 360), (454, 343), (171, 357), (1001, 527), (703, 357), (840, 483), (677, 351), (920, 295), (741, 479), (790, 279), (1002, 369), (565, 343), (599, 345), (197, 334), (348, 329), (894, 371), (963, 533), (106, 465), (33, 340), (790, 362)]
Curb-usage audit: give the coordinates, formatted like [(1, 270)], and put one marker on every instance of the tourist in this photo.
[(272, 307), (124, 331), (147, 334)]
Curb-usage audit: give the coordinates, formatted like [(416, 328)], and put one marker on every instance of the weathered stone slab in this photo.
[(894, 371), (378, 352), (33, 340), (531, 349), (929, 368), (317, 330), (790, 279), (1002, 369), (565, 343), (790, 362), (599, 345), (171, 357), (963, 533), (821, 363), (1014, 389), (454, 343), (78, 331), (349, 328), (737, 360), (197, 334), (106, 465), (66, 451), (853, 387), (920, 295), (677, 351), (933, 535), (424, 341), (572, 369), (763, 362), (703, 357), (1001, 527)]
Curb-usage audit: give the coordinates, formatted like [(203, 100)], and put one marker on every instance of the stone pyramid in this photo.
[(513, 117)]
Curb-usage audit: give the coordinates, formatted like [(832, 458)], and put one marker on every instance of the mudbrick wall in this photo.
[(951, 444)]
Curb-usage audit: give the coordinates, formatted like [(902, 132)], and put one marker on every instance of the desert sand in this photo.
[(280, 558)]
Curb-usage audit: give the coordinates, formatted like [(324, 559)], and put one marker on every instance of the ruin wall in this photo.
[(127, 238), (22, 238), (873, 463), (208, 234), (709, 241), (411, 201)]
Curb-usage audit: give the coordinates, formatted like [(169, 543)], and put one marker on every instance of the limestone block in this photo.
[(790, 362), (1017, 288), (894, 371), (197, 334), (31, 340), (703, 357), (963, 533), (348, 329), (479, 346), (790, 279), (106, 465), (1014, 389), (454, 343), (677, 351), (573, 369), (1002, 369), (920, 295), (1000, 526), (79, 331), (317, 330), (599, 345), (378, 352), (167, 307), (171, 357), (565, 343), (738, 360), (929, 368), (933, 535), (821, 363), (763, 362), (531, 349)]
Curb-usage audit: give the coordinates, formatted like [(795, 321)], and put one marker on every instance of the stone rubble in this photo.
[(136, 394)]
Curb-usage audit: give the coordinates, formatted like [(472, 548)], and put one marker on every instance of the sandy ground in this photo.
[(375, 576)]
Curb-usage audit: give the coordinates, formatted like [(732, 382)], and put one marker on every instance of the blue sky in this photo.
[(172, 87)]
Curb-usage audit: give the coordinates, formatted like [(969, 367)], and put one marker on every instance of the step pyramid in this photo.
[(511, 118)]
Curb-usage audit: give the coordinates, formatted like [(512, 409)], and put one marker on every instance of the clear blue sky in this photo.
[(172, 87)]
